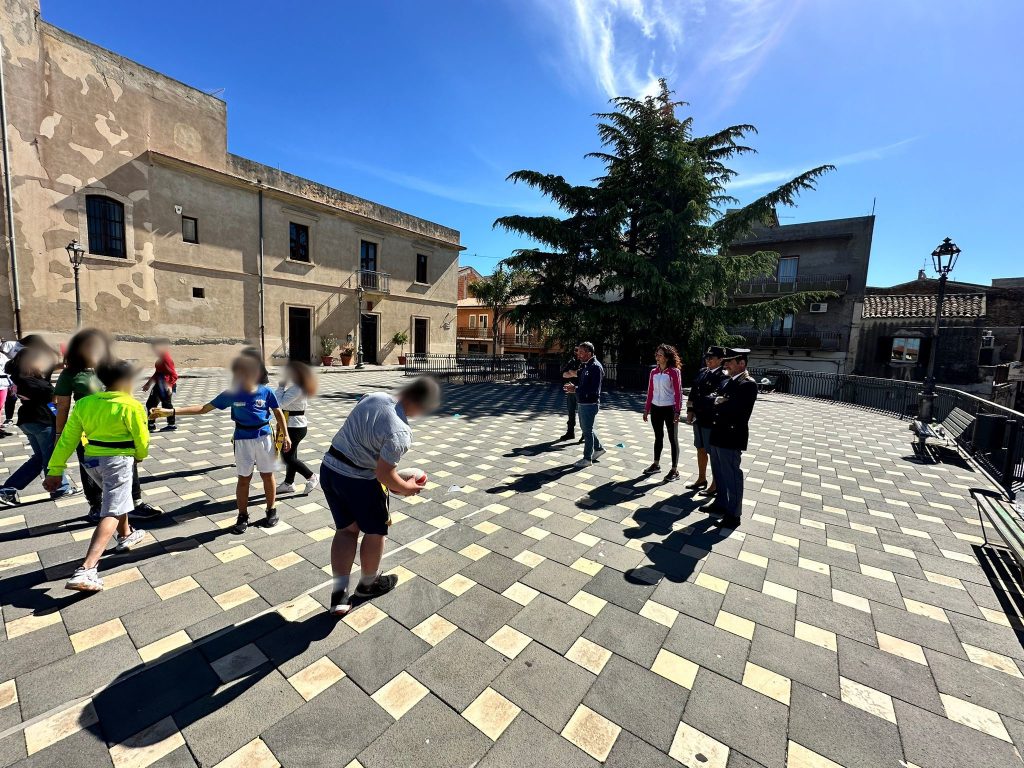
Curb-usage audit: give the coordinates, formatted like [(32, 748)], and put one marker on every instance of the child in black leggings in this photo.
[(293, 393)]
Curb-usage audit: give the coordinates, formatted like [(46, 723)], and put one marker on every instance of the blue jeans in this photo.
[(591, 442), (41, 438)]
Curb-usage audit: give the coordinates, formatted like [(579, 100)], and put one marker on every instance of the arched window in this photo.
[(106, 226)]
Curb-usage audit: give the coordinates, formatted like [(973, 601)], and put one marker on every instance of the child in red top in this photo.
[(163, 383)]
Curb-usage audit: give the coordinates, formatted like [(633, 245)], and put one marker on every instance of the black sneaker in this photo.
[(94, 515), (570, 435), (241, 525), (9, 497), (380, 586), (144, 511), (655, 467), (151, 425), (340, 604), (271, 519)]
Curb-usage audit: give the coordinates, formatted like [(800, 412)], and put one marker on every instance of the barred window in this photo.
[(105, 217)]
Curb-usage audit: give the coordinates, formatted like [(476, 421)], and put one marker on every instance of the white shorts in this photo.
[(114, 475), (258, 454)]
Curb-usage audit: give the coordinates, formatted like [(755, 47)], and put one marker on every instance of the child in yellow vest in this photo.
[(114, 423)]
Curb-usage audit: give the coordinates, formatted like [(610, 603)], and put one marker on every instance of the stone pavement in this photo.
[(547, 616)]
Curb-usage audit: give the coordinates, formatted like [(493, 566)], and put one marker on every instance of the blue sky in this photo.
[(427, 106)]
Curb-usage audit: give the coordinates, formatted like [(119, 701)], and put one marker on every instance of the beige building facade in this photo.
[(183, 239)]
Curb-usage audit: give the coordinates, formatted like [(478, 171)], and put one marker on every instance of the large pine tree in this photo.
[(648, 253)]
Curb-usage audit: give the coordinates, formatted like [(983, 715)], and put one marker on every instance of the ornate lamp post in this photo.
[(359, 320), (943, 259), (75, 254)]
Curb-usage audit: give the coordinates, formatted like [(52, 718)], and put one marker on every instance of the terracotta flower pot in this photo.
[(326, 360)]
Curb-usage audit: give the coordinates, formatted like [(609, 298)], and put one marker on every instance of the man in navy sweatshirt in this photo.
[(588, 392)]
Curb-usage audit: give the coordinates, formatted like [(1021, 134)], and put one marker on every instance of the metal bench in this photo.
[(1004, 517), (955, 428)]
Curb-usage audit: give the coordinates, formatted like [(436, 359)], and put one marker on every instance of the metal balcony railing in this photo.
[(508, 339), (373, 282), (827, 341), (773, 286)]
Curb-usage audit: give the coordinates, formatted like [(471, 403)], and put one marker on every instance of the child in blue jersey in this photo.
[(254, 408)]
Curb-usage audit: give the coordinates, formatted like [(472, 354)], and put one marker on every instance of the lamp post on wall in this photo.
[(75, 254), (359, 320), (943, 259)]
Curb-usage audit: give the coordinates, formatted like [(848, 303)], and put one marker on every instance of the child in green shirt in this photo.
[(114, 423)]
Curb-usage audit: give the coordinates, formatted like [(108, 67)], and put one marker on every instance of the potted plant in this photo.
[(400, 339), (327, 345), (346, 354)]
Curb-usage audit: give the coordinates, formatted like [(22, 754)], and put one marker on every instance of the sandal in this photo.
[(708, 492)]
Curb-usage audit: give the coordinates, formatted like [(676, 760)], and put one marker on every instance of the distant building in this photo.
[(467, 275), (184, 239), (982, 327), (476, 333), (827, 256)]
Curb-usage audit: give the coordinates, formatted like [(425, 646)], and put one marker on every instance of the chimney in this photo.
[(921, 275)]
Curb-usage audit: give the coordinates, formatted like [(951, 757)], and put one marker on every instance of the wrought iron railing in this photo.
[(997, 446), (770, 286), (375, 282), (826, 341)]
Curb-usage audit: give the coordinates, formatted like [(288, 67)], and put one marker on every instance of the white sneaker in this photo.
[(85, 580), (312, 484), (286, 488), (127, 542), (598, 453), (584, 463)]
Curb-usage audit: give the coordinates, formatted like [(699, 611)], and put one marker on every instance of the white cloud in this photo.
[(765, 178), (624, 46)]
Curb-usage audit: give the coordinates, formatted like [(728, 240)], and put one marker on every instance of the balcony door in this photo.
[(788, 268), (783, 326), (368, 264)]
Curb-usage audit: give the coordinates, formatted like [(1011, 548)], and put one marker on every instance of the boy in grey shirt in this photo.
[(358, 473)]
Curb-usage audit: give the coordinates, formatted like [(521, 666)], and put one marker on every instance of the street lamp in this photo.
[(944, 259), (75, 254), (359, 320)]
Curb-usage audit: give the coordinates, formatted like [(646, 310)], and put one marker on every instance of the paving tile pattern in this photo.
[(546, 614)]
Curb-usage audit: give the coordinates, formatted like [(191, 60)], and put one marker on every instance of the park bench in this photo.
[(1004, 517), (955, 428)]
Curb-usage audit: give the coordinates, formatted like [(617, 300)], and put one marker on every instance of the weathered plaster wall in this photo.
[(87, 120)]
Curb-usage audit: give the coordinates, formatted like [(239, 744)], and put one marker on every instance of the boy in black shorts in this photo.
[(358, 473)]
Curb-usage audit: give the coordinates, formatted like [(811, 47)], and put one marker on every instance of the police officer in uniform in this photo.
[(732, 406), (569, 372), (699, 411)]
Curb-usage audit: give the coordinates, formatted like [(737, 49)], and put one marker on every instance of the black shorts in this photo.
[(356, 500)]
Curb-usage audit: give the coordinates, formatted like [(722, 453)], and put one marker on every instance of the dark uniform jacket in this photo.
[(706, 383), (731, 416)]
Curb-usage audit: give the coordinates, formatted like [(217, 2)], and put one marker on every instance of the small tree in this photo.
[(499, 293), (400, 339)]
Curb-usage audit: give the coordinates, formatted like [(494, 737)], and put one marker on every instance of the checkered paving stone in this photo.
[(546, 614)]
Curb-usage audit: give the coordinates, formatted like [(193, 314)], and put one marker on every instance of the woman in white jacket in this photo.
[(293, 393)]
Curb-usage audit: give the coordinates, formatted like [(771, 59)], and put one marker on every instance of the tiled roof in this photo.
[(923, 305)]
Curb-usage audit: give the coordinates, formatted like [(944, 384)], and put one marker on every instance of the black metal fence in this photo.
[(996, 439)]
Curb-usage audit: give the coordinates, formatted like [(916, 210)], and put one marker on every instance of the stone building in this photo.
[(825, 256), (982, 327), (184, 239)]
